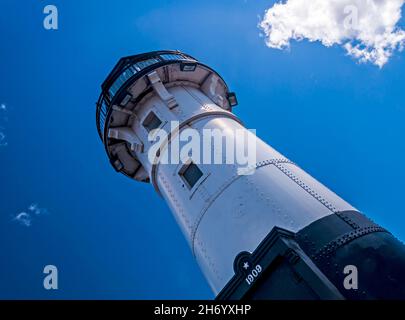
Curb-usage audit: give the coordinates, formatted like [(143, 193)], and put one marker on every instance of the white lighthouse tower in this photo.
[(220, 211)]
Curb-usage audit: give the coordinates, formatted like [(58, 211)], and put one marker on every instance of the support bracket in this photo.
[(161, 90), (128, 135)]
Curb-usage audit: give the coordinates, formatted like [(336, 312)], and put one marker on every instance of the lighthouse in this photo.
[(259, 226)]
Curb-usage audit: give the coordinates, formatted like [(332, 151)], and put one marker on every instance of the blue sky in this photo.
[(111, 237)]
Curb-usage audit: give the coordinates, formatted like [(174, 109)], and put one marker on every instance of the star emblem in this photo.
[(246, 265)]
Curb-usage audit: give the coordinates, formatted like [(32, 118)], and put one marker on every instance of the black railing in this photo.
[(128, 70)]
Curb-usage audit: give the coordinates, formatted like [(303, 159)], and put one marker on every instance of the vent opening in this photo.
[(190, 173), (151, 122)]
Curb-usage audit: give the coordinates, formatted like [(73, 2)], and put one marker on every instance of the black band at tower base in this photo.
[(315, 263)]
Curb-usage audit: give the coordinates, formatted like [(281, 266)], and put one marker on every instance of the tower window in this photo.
[(191, 174), (151, 122)]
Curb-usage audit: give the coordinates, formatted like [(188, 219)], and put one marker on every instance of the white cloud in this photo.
[(366, 29), (37, 210), (3, 141), (25, 218), (3, 118)]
